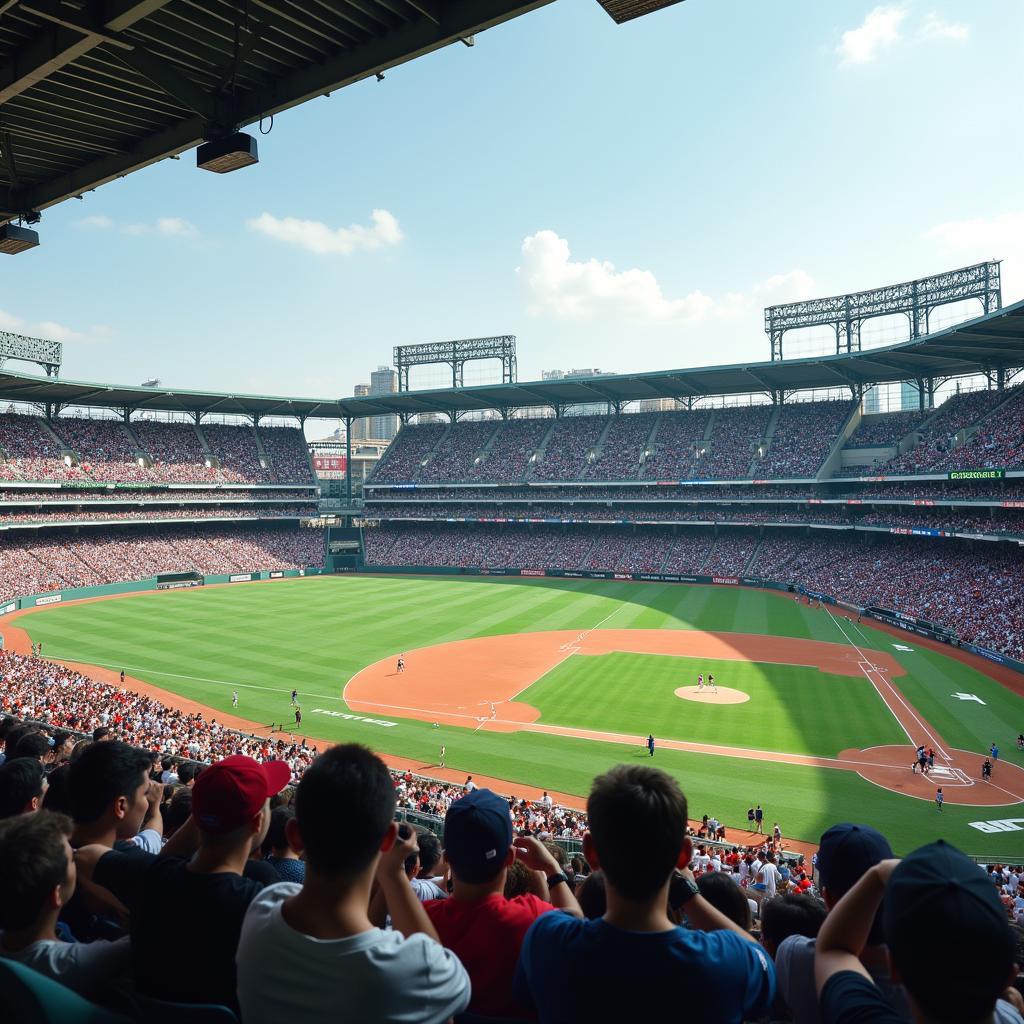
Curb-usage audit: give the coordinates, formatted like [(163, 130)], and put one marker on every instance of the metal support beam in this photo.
[(56, 45), (349, 420)]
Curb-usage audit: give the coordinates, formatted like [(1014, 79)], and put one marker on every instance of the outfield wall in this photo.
[(907, 623), (136, 586)]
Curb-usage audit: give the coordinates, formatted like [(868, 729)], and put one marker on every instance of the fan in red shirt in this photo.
[(483, 928)]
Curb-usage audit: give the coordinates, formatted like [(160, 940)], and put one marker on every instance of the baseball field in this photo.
[(545, 683)]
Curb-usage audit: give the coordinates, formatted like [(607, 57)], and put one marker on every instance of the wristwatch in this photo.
[(683, 890), (557, 879)]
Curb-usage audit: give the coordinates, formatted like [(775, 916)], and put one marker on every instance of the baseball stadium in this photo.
[(800, 606), (559, 586)]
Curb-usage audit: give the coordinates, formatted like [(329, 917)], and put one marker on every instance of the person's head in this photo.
[(558, 852), (845, 855), (791, 914), (939, 908), (277, 838), (166, 763), (517, 880), (63, 744), (56, 795), (187, 772), (36, 745), (478, 838), (726, 896), (14, 737), (637, 836), (231, 802), (344, 812), (101, 734), (282, 799), (430, 854), (22, 784), (80, 748), (178, 810), (37, 869), (591, 896), (108, 786)]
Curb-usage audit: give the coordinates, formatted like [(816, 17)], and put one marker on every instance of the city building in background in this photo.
[(361, 428), (383, 381), (591, 408)]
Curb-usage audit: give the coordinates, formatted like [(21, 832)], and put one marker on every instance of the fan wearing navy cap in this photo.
[(948, 937), (845, 854), (196, 902), (483, 928)]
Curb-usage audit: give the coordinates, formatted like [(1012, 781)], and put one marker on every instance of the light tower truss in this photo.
[(456, 354), (845, 314)]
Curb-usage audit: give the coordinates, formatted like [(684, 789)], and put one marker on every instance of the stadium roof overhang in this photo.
[(989, 343), (91, 90)]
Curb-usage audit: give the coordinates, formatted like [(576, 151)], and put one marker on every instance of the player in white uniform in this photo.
[(700, 682), (711, 683)]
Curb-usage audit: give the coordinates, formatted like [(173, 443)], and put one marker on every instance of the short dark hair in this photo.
[(179, 810), (14, 736), (103, 773), (99, 733), (35, 744), (592, 897), (33, 862), (60, 737), (430, 851), (187, 771), (276, 836), (791, 914), (21, 779), (57, 785), (726, 896), (344, 805), (637, 819)]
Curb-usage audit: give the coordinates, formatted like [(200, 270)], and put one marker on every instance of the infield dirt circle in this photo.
[(476, 683), (721, 695)]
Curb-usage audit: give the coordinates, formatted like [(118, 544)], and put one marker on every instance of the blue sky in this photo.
[(620, 197)]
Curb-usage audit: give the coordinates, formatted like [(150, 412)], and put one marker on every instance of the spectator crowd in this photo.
[(315, 901)]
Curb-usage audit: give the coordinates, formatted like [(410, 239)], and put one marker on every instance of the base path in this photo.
[(476, 683)]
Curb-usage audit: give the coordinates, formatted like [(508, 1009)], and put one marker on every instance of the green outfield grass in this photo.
[(262, 639), (792, 708)]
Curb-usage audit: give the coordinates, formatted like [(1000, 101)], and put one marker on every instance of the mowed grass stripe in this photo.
[(316, 633)]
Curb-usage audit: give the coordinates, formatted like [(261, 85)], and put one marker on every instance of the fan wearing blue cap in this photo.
[(949, 942), (846, 853), (483, 928)]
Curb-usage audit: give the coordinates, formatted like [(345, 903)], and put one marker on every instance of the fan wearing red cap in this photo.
[(195, 893)]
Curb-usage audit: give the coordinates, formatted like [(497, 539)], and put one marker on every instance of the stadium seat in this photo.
[(161, 1011), (29, 996)]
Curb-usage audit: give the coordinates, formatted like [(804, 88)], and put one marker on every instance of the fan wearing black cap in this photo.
[(949, 943), (845, 854)]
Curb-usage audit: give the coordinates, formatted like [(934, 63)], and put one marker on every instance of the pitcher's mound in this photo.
[(725, 695)]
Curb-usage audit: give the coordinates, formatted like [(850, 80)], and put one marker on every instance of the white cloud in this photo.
[(314, 235), (986, 238), (167, 226), (51, 329), (793, 286), (99, 220), (554, 283), (936, 27), (175, 226), (879, 30)]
